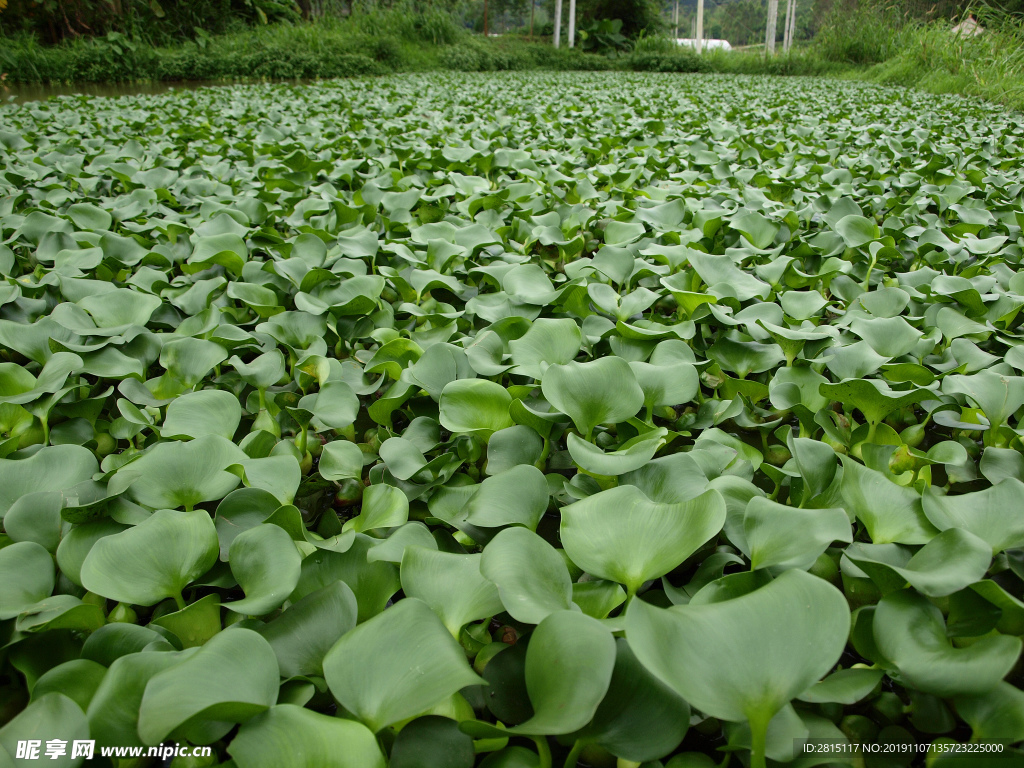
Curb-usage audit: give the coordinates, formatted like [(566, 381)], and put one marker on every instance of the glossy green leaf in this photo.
[(910, 633), (266, 564), (599, 392), (208, 412), (451, 584), (230, 679), (287, 734), (787, 537), (623, 536), (396, 665), (303, 634), (745, 658), (26, 577), (475, 406), (531, 576), (153, 560)]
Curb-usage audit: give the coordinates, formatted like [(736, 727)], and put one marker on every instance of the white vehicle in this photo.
[(708, 44)]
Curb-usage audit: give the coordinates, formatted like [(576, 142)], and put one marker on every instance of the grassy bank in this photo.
[(989, 66), (883, 47), (340, 49), (366, 45)]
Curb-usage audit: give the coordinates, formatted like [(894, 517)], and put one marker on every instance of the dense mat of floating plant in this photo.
[(480, 420)]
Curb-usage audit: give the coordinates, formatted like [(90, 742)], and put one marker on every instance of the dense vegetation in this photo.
[(507, 419), (897, 42)]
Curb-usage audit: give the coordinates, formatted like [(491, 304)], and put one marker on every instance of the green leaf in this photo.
[(53, 716), (293, 736), (845, 686), (194, 624), (77, 679), (475, 406), (604, 391), (153, 560), (191, 360), (640, 718), (674, 384), (341, 460), (384, 506), (373, 582), (511, 447), (209, 412), (303, 634), (997, 715), (266, 564), (53, 468), (569, 665), (890, 512), (547, 342), (451, 585), (786, 537), (517, 496), (951, 561), (857, 230), (997, 395), (748, 657), (230, 680), (910, 633), (396, 665), (26, 577), (633, 455), (622, 535), (261, 372), (120, 308), (531, 576), (872, 397), (172, 475), (756, 228), (432, 742), (992, 514), (335, 406)]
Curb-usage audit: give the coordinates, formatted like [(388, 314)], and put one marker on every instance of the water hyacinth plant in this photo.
[(513, 420)]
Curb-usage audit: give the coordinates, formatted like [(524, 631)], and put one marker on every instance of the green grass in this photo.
[(989, 66)]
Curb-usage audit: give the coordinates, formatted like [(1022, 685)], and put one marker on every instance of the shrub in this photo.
[(681, 60)]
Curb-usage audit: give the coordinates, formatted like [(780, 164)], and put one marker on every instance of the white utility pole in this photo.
[(700, 25), (558, 22), (787, 34), (792, 25), (773, 22), (572, 23), (675, 20)]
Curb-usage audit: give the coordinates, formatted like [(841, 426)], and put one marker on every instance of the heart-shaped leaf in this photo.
[(622, 535), (396, 665), (531, 576), (599, 392), (266, 564), (910, 633), (287, 734), (230, 679), (451, 584), (153, 560), (745, 658)]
